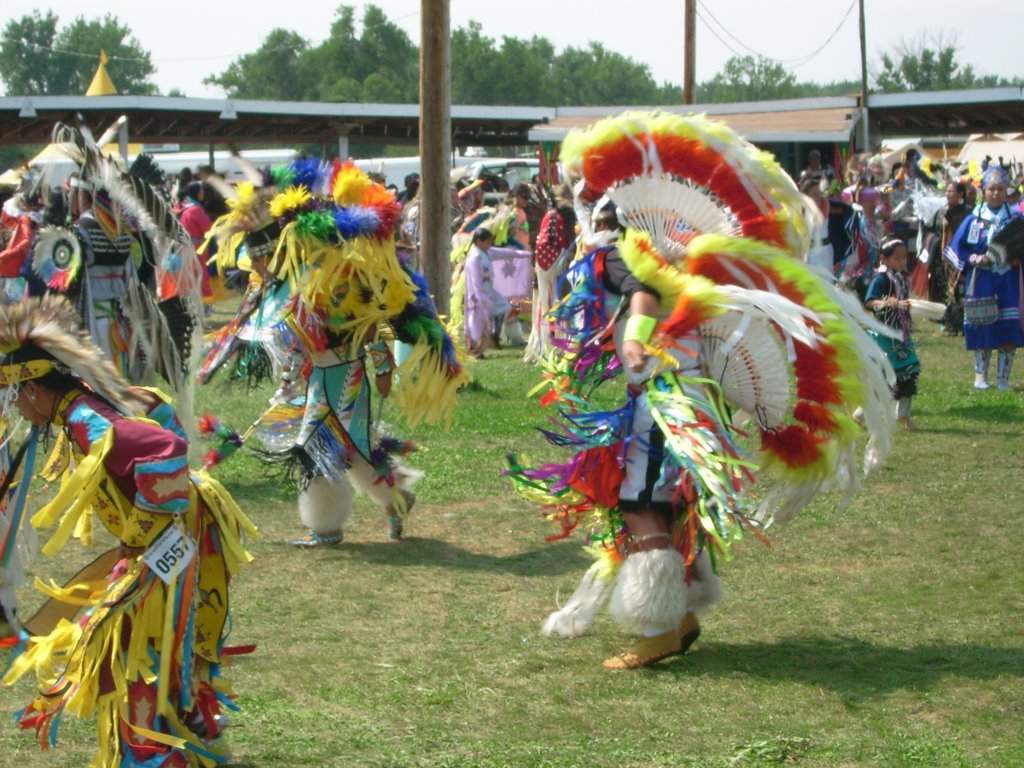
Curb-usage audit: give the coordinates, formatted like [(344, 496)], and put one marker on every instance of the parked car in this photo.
[(500, 174)]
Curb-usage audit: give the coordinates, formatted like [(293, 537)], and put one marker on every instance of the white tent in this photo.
[(1009, 146)]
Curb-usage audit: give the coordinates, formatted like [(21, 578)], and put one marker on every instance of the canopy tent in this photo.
[(57, 161), (1008, 146)]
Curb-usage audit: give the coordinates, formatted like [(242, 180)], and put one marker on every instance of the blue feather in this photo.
[(308, 172), (356, 221)]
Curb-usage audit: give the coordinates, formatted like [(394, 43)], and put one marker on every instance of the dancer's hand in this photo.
[(636, 357)]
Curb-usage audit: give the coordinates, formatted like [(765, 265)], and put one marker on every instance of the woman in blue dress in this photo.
[(988, 272)]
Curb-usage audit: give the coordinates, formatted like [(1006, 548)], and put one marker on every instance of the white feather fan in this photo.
[(746, 357)]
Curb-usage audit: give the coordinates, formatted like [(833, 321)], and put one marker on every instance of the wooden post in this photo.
[(690, 52), (435, 150), (866, 127)]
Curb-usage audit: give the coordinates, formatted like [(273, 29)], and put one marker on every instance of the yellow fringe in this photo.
[(75, 496)]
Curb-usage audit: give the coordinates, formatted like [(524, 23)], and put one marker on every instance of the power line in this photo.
[(792, 63)]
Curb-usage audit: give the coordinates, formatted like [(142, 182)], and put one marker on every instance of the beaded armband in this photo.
[(380, 356)]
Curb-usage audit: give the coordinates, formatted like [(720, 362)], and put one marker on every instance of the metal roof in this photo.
[(791, 120), (939, 113), (167, 119)]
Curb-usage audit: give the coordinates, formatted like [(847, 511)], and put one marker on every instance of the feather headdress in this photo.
[(677, 176), (51, 324), (167, 327)]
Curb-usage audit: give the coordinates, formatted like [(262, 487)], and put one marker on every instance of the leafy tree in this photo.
[(597, 76), (36, 59), (473, 73), (26, 59), (130, 66), (930, 64), (746, 78), (524, 72), (379, 65), (276, 70), (924, 66)]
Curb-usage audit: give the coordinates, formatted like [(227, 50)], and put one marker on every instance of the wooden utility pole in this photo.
[(435, 149), (690, 52), (865, 126)]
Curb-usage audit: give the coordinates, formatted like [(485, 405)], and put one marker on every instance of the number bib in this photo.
[(171, 553)]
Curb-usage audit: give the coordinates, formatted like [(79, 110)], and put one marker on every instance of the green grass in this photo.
[(887, 634)]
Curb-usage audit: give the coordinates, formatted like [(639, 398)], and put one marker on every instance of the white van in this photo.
[(395, 169), (224, 162)]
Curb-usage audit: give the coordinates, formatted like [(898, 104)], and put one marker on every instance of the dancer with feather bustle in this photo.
[(128, 264), (706, 310), (138, 643), (328, 234)]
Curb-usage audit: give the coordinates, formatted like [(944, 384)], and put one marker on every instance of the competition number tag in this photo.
[(171, 553), (974, 233)]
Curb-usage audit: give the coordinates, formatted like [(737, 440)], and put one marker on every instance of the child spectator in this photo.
[(889, 298)]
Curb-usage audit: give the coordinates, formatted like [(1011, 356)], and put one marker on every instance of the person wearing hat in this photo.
[(334, 257), (991, 276), (656, 480), (143, 653)]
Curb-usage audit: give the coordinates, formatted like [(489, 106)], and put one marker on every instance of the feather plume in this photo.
[(52, 324)]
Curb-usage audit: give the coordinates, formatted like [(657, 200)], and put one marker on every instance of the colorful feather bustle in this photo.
[(760, 197), (342, 258)]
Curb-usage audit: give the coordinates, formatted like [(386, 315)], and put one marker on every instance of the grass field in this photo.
[(889, 634)]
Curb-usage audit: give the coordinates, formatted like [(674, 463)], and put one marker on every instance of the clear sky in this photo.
[(190, 39)]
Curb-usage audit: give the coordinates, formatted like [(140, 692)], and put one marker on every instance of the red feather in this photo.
[(794, 445), (612, 162), (818, 418), (768, 229), (726, 185), (815, 370), (688, 158), (686, 316), (597, 475)]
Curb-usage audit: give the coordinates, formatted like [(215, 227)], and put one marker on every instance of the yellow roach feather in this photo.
[(247, 200), (350, 186), (291, 199)]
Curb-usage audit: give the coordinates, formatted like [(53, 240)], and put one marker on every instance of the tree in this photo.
[(130, 65), (472, 65), (930, 64), (745, 78), (379, 65), (597, 76), (277, 70), (36, 59), (525, 72), (26, 55)]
